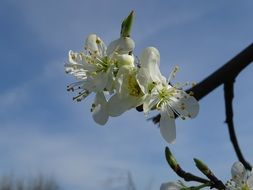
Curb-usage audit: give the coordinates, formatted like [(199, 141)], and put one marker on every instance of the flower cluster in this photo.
[(120, 83)]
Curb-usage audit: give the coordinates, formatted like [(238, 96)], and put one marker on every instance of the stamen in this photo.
[(70, 89), (191, 93), (180, 86), (103, 63), (173, 73), (98, 41), (92, 107), (194, 84), (75, 85), (81, 95)]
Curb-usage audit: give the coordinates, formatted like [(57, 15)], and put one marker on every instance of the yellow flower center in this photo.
[(133, 86), (164, 95), (245, 187)]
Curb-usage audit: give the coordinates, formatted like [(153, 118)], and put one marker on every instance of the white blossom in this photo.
[(161, 95), (96, 68), (242, 179)]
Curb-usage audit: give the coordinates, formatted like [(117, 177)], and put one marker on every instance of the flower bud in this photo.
[(126, 25)]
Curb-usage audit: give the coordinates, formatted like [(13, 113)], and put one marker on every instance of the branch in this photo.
[(227, 72), (229, 95), (214, 182), (179, 171)]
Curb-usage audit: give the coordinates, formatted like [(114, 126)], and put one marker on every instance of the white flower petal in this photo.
[(99, 109), (121, 80), (78, 61), (144, 79), (124, 59), (250, 180), (170, 186), (100, 81), (167, 124), (184, 104), (146, 107), (238, 171), (118, 105), (110, 81), (74, 58), (75, 64), (150, 59), (94, 44), (150, 55), (149, 102), (123, 45)]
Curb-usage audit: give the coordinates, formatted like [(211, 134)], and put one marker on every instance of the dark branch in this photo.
[(227, 72), (229, 95), (214, 182)]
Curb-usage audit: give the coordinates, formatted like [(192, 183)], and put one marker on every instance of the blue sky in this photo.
[(43, 131)]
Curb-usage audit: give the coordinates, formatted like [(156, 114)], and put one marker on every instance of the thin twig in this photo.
[(229, 95), (179, 171), (214, 182)]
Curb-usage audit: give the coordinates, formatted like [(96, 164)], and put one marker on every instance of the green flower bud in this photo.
[(171, 159), (201, 166), (126, 25)]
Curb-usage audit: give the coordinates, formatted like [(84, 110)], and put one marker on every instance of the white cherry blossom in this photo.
[(160, 95), (242, 179), (96, 68)]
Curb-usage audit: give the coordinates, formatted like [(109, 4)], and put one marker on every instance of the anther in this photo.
[(70, 88), (98, 41), (191, 93), (73, 56)]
